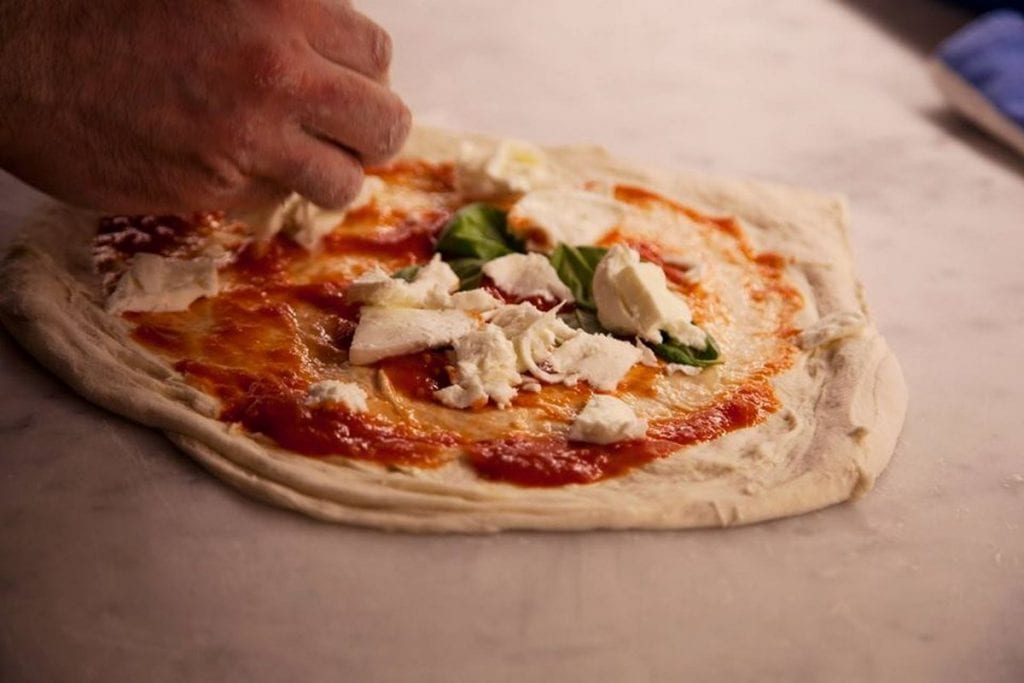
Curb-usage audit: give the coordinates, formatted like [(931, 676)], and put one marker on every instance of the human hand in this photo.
[(143, 106)]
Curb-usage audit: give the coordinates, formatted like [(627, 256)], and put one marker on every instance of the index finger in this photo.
[(342, 35)]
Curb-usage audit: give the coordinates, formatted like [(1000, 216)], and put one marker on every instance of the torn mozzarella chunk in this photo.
[(534, 335), (647, 356), (387, 332), (600, 360), (832, 327), (547, 217), (305, 222), (512, 167), (605, 420), (485, 369), (158, 283), (309, 223), (527, 276), (633, 298), (475, 300), (430, 288), (347, 394)]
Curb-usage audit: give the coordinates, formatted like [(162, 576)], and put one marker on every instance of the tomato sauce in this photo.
[(418, 375), (165, 235), (411, 241), (548, 461), (259, 344), (324, 431)]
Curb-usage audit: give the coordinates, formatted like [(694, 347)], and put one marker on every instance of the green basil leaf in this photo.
[(477, 231), (407, 273), (575, 267), (672, 350), (469, 270)]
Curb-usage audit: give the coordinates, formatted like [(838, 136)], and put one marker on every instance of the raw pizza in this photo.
[(491, 336)]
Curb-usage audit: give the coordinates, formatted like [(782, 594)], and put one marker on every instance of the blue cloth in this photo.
[(989, 54)]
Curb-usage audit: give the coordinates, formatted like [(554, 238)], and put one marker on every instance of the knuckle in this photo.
[(223, 180), (267, 64)]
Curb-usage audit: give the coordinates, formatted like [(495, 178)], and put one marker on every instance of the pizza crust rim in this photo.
[(50, 303)]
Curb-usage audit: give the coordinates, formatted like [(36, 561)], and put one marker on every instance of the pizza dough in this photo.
[(843, 400)]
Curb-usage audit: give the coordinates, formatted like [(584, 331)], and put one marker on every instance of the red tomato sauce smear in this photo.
[(259, 345), (551, 461)]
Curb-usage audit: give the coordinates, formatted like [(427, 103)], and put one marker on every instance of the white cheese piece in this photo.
[(485, 369), (512, 167), (605, 420), (430, 288), (158, 283), (832, 327), (437, 275), (647, 356), (526, 276), (305, 222), (633, 298), (264, 224), (547, 217), (308, 223), (514, 319), (387, 332), (601, 360), (347, 394), (475, 300), (534, 335), (688, 370)]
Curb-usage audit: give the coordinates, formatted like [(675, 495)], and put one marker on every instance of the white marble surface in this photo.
[(122, 561)]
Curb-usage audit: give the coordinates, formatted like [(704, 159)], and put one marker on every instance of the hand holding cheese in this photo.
[(148, 107)]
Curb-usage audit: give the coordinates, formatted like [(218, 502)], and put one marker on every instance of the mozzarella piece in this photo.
[(430, 288), (547, 217), (605, 420), (485, 369), (309, 223), (534, 335), (512, 167), (387, 332), (158, 283), (647, 356), (601, 360), (633, 297), (305, 222), (475, 300), (347, 394), (514, 319), (437, 274), (527, 276)]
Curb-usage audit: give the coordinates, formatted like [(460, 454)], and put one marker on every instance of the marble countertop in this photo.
[(122, 560)]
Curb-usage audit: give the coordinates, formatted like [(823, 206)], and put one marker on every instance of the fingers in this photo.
[(342, 35), (319, 170), (356, 113)]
